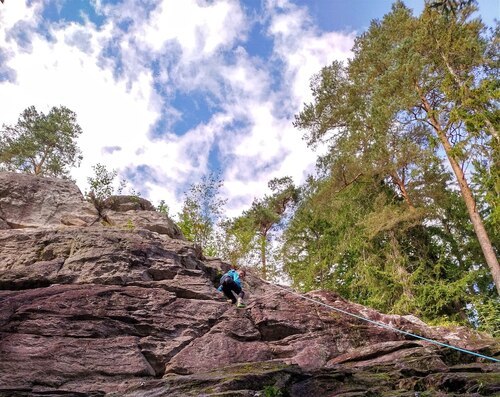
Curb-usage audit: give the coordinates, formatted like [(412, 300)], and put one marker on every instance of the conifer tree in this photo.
[(41, 144), (254, 227), (429, 77)]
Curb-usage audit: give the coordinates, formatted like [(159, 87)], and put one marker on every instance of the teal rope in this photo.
[(389, 327)]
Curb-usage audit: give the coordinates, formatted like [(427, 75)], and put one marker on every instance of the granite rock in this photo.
[(95, 310)]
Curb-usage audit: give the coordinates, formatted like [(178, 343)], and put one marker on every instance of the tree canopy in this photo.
[(266, 213), (402, 212), (251, 237), (201, 211), (41, 144), (419, 90)]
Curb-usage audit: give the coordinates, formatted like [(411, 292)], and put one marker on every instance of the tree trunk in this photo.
[(402, 188), (477, 222), (263, 255), (39, 165)]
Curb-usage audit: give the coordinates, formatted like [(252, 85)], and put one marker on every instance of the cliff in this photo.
[(127, 307)]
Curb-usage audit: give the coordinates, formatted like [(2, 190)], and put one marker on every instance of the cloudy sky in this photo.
[(168, 90)]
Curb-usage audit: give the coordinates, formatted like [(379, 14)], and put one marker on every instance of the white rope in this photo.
[(383, 325)]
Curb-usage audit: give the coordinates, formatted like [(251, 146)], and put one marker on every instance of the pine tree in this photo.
[(41, 144), (425, 80)]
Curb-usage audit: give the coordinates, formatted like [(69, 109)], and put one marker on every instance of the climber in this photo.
[(230, 285)]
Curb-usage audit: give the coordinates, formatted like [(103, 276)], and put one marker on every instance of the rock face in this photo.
[(94, 310), (30, 202), (27, 201)]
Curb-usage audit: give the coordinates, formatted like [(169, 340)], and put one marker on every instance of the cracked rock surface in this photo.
[(88, 309)]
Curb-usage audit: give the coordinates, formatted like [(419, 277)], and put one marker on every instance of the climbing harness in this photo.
[(384, 325)]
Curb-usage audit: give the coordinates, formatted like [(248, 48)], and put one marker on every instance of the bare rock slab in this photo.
[(28, 201)]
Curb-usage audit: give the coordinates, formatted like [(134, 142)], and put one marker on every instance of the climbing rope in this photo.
[(384, 325)]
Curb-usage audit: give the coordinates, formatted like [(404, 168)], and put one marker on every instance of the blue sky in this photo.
[(168, 90)]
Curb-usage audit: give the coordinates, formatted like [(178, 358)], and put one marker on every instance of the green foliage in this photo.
[(265, 215), (366, 245), (102, 183), (272, 391), (41, 144), (163, 208), (486, 181), (450, 6), (251, 238), (486, 314), (129, 225), (201, 211), (383, 223), (236, 240)]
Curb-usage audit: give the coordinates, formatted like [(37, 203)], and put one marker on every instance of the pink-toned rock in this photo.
[(125, 203), (141, 219), (53, 360), (215, 350), (133, 311)]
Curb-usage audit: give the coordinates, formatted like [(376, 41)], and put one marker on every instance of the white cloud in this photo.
[(271, 146), (104, 74), (200, 28), (304, 49), (12, 14), (58, 72)]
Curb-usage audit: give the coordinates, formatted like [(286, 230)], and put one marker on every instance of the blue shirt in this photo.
[(234, 275)]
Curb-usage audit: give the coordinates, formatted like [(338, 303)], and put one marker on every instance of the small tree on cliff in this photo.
[(41, 144), (103, 185)]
